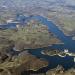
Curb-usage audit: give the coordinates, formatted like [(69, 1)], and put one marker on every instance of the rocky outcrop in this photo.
[(23, 62), (60, 71)]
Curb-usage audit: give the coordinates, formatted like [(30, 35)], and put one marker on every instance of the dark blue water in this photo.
[(9, 25), (66, 62), (68, 42)]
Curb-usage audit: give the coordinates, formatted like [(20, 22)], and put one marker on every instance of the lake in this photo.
[(68, 61)]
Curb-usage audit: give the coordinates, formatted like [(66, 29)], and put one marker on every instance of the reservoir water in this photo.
[(66, 62)]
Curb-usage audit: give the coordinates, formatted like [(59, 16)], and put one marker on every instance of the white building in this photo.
[(66, 50)]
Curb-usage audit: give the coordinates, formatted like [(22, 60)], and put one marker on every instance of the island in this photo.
[(59, 53)]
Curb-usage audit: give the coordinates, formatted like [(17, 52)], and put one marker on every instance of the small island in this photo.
[(54, 52)]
